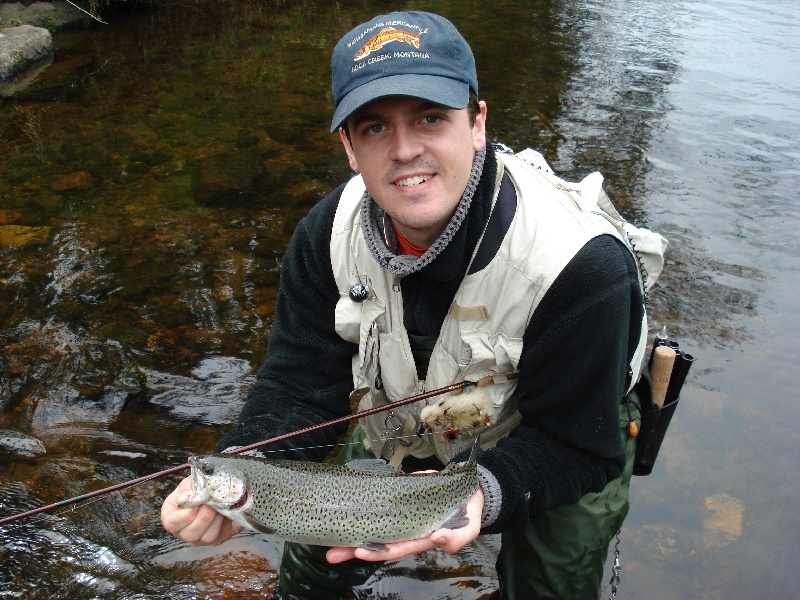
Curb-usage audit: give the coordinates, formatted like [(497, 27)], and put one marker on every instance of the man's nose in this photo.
[(406, 145)]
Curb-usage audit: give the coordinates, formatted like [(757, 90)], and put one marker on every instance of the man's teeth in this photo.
[(414, 180)]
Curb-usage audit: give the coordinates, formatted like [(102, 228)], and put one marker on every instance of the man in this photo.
[(443, 261)]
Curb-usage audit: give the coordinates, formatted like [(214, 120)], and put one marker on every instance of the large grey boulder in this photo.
[(21, 47)]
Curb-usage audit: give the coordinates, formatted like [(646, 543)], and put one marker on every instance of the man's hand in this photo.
[(199, 525), (449, 540)]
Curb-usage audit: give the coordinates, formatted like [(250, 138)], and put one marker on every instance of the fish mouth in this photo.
[(241, 501), (199, 495)]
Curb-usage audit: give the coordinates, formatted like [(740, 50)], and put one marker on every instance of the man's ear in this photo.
[(348, 148)]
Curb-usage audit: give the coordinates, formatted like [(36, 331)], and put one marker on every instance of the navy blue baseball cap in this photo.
[(415, 54)]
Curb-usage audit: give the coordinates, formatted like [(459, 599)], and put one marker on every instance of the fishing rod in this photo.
[(355, 395)]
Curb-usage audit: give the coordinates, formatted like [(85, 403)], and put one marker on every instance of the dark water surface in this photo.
[(151, 178)]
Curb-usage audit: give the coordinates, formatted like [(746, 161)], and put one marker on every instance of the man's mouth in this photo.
[(415, 180)]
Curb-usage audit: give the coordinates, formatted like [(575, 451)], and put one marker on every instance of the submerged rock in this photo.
[(80, 180), (227, 179), (723, 525), (20, 236), (665, 546), (25, 79), (14, 442)]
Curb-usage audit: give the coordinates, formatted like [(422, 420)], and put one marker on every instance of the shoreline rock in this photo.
[(22, 47), (26, 43), (52, 16)]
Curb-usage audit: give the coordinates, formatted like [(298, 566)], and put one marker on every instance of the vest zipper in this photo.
[(396, 288)]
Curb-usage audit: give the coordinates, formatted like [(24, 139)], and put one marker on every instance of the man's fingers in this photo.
[(452, 540), (198, 525), (449, 540), (339, 555), (396, 550), (204, 528)]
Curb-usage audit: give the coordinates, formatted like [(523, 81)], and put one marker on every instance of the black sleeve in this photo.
[(306, 377), (573, 372)]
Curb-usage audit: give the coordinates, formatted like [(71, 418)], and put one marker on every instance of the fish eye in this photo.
[(207, 469)]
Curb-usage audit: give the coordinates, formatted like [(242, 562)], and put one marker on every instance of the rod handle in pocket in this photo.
[(660, 372)]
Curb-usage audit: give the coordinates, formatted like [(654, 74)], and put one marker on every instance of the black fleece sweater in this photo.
[(573, 367)]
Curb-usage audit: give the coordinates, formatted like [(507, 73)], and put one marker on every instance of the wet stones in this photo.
[(21, 236), (664, 545), (80, 180), (225, 180), (14, 442), (50, 15), (9, 216), (22, 47), (26, 44)]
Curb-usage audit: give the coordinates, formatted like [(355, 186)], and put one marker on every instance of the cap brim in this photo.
[(439, 90)]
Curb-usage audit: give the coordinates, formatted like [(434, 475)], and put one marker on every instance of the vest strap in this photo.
[(505, 207), (403, 445), (468, 313)]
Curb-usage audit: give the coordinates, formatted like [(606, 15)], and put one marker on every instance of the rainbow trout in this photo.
[(364, 503)]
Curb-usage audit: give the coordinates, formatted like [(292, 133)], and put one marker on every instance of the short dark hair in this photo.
[(473, 106), (473, 110)]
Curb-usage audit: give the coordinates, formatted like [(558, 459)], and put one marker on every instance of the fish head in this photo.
[(216, 482)]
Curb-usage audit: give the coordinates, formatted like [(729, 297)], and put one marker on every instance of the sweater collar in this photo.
[(382, 242)]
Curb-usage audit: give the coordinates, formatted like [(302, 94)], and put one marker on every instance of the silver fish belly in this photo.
[(332, 505)]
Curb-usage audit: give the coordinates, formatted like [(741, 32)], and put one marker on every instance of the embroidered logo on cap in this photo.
[(386, 36)]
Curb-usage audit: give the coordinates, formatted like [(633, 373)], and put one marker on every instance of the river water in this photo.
[(150, 180)]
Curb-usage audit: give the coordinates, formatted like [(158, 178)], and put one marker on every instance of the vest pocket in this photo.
[(400, 376), (370, 327), (496, 353), (347, 318)]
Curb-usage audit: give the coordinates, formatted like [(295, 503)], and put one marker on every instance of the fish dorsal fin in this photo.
[(473, 458), (257, 525), (459, 519), (374, 465)]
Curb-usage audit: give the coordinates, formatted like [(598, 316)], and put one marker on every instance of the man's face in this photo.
[(416, 159)]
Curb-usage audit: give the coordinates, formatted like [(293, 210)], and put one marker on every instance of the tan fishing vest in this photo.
[(482, 333)]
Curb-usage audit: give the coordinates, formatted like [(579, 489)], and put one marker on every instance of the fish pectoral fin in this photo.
[(256, 524), (459, 519), (375, 465), (375, 546)]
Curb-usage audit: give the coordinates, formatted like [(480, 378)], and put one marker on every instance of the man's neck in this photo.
[(406, 247)]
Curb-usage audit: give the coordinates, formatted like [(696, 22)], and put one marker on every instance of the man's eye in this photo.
[(431, 119), (376, 128)]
